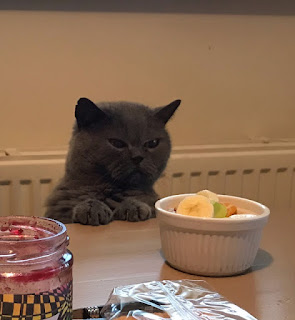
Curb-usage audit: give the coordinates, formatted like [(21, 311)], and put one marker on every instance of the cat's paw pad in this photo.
[(133, 210), (92, 212)]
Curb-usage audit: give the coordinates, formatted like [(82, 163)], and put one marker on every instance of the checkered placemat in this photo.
[(55, 305)]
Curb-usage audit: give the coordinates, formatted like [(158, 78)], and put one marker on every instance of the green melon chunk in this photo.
[(220, 210)]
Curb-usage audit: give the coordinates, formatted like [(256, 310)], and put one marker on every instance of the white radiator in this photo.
[(260, 172)]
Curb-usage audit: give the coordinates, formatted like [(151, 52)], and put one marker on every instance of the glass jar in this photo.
[(35, 269)]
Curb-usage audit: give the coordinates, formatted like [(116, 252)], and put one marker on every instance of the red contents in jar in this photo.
[(21, 233), (16, 232), (43, 274)]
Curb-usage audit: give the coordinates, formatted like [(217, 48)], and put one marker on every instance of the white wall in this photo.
[(235, 74)]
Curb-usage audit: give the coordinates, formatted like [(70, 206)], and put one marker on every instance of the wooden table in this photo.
[(126, 253)]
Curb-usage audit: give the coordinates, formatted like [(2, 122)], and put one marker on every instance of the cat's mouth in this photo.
[(131, 176), (136, 178)]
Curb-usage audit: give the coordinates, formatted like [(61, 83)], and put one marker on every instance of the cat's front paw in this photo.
[(133, 210), (93, 212)]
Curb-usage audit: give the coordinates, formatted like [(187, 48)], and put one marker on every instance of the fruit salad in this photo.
[(205, 204)]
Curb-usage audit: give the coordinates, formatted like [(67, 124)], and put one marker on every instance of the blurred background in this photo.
[(231, 62)]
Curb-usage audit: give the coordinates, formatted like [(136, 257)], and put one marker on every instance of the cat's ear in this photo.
[(165, 113), (87, 113)]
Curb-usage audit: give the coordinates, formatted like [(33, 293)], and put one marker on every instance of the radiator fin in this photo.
[(5, 194), (233, 182), (250, 184)]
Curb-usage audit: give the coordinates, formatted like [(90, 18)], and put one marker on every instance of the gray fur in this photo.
[(103, 182)]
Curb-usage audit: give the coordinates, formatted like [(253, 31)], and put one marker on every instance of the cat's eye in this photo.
[(117, 143), (151, 144)]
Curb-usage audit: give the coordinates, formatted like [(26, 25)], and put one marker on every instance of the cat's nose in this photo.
[(137, 159)]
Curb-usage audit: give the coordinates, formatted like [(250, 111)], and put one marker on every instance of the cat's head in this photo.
[(123, 143)]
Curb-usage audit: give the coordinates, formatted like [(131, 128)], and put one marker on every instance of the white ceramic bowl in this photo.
[(211, 246)]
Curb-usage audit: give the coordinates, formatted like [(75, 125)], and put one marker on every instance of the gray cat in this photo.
[(117, 152)]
